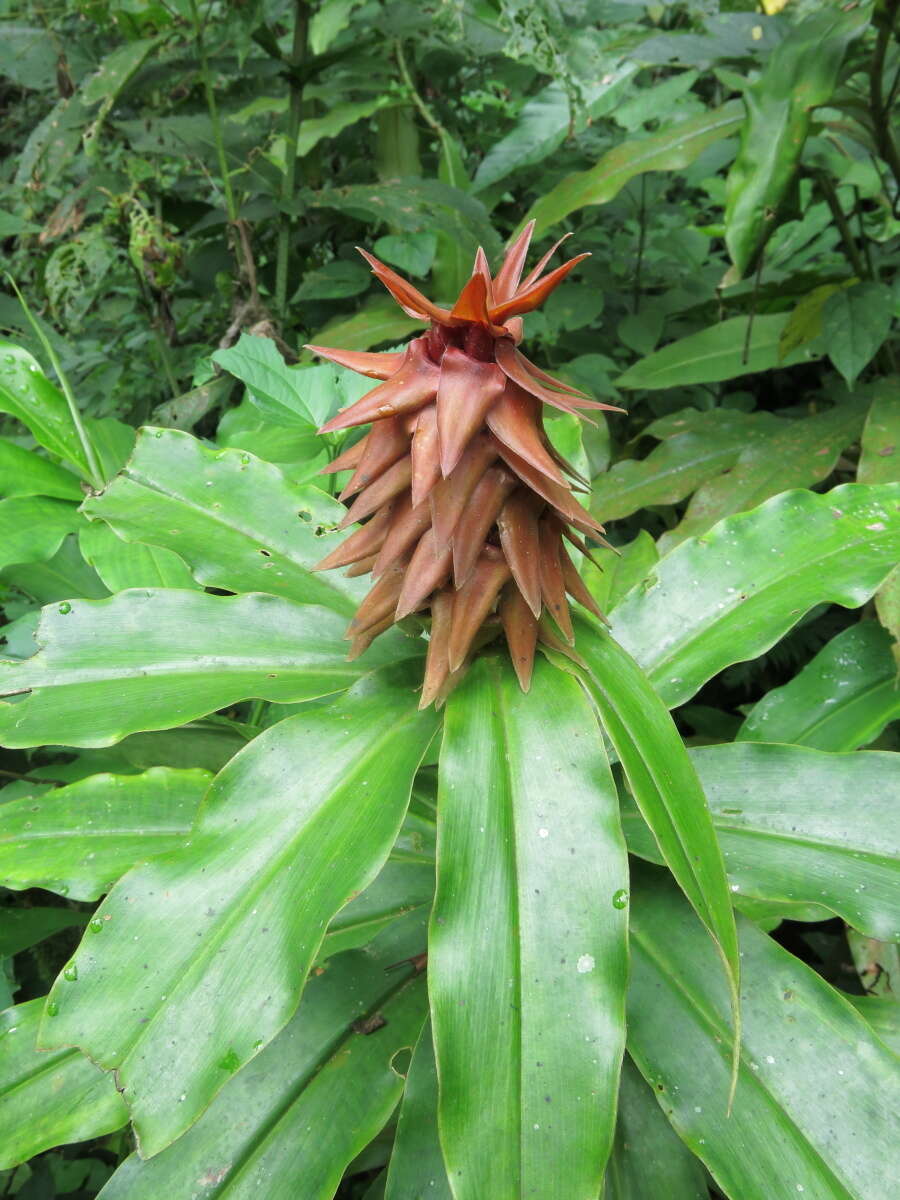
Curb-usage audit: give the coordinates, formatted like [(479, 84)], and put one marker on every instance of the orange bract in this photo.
[(466, 502)]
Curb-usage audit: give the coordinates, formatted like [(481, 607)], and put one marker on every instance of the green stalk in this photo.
[(212, 107), (295, 111), (90, 457)]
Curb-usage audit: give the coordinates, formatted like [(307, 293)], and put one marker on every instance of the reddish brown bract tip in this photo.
[(465, 501)]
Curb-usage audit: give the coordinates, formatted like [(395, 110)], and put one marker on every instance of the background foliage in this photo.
[(183, 186)]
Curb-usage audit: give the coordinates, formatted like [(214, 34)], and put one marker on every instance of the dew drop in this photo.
[(620, 899), (52, 1008), (245, 458), (70, 972), (158, 433), (65, 607), (96, 924)]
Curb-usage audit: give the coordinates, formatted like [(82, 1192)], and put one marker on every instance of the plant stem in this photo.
[(230, 206), (87, 446), (427, 115), (881, 126), (843, 226), (295, 111)]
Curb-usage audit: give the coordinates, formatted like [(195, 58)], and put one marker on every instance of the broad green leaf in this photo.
[(150, 659), (79, 840), (619, 572), (730, 595), (879, 459), (800, 74), (818, 1092), (338, 118), (714, 354), (186, 410), (65, 574), (32, 528), (237, 521), (401, 887), (882, 1014), (679, 465), (794, 454), (855, 323), (301, 396), (24, 473), (122, 564), (665, 786), (375, 323), (540, 128), (805, 322), (451, 266), (417, 1164), (24, 927), (413, 253), (289, 1123), (28, 395), (531, 895), (48, 1099), (105, 84), (793, 830), (648, 1160), (335, 281), (290, 830), (670, 150), (841, 700), (206, 745), (329, 19)]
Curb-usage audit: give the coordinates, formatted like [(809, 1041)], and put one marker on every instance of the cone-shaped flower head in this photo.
[(466, 505)]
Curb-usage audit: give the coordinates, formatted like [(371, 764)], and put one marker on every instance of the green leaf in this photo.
[(290, 1122), (28, 395), (671, 150), (665, 786), (714, 354), (293, 396), (619, 572), (730, 595), (800, 74), (451, 265), (338, 118), (329, 19), (65, 574), (297, 822), (540, 128), (417, 1164), (79, 840), (24, 927), (855, 323), (413, 253), (531, 894), (879, 459), (237, 521), (818, 1093), (679, 465), (375, 323), (153, 658), (792, 829), (32, 528), (882, 1014), (335, 281), (790, 454), (648, 1159), (122, 564), (24, 473), (841, 700), (401, 887), (48, 1099)]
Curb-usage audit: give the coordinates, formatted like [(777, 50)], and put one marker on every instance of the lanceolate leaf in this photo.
[(48, 1099), (664, 785), (417, 1164), (292, 828), (29, 396), (801, 826), (122, 564), (669, 150), (401, 887), (79, 840), (720, 352), (818, 1092), (25, 473), (531, 897), (289, 1123), (152, 659), (237, 521), (648, 1160), (794, 454), (801, 73), (841, 700), (24, 927), (731, 594)]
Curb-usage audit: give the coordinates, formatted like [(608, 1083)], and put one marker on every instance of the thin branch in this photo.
[(843, 226)]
